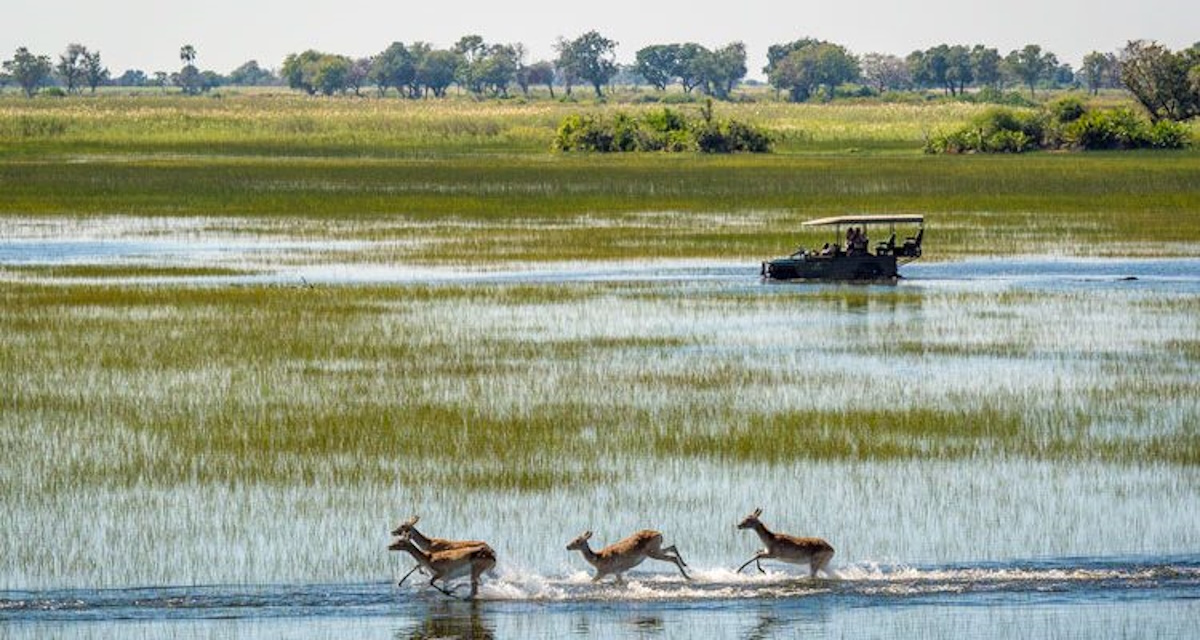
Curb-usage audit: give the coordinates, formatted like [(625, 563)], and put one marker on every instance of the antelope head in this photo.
[(406, 526), (580, 543), (402, 543), (749, 521)]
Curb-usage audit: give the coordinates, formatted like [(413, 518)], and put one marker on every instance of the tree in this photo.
[(250, 74), (959, 71), (437, 70), (1100, 71), (1063, 75), (883, 72), (300, 70), (395, 67), (70, 67), (357, 75), (930, 68), (189, 78), (690, 65), (985, 65), (723, 69), (541, 72), (471, 49), (94, 71), (132, 78), (333, 74), (806, 66), (497, 68), (1030, 64), (658, 64), (28, 70), (1166, 83), (591, 58)]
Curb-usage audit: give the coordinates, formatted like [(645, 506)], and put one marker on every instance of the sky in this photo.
[(147, 34)]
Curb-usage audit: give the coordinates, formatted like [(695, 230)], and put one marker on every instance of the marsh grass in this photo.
[(280, 157), (121, 271), (233, 416), (250, 382)]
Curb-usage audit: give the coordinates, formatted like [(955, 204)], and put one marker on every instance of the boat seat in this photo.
[(912, 245), (885, 248)]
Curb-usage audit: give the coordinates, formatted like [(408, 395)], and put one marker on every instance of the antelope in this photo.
[(619, 557), (814, 552), (408, 529), (451, 563)]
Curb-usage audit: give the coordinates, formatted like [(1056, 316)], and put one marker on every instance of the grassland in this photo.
[(275, 384), (489, 163), (304, 373)]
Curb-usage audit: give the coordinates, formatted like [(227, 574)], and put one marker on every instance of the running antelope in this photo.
[(451, 563), (814, 552), (619, 557), (408, 528)]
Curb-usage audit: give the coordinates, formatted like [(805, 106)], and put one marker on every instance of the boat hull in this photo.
[(841, 267)]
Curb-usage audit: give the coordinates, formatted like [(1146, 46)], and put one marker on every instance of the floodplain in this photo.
[(237, 347)]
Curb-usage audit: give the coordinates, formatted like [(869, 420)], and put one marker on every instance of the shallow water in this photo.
[(1068, 598), (987, 547), (290, 260)]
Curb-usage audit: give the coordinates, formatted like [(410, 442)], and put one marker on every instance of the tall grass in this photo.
[(1093, 205), (252, 383), (464, 161), (181, 435)]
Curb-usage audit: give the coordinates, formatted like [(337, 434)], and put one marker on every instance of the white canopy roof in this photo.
[(840, 220)]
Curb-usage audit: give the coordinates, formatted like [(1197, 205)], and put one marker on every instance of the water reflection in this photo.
[(447, 620)]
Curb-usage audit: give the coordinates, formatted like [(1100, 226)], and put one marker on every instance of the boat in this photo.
[(849, 256)]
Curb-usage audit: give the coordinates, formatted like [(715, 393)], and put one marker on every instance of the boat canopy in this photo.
[(843, 220)]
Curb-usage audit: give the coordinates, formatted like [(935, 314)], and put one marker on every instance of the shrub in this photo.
[(1109, 129), (998, 130), (660, 130), (1067, 123), (1068, 109), (1168, 134)]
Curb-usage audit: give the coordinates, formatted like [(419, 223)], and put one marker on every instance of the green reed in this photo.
[(276, 384), (283, 157)]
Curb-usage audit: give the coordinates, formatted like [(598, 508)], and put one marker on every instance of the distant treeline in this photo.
[(1165, 81)]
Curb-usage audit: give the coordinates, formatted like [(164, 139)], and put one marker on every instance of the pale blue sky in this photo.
[(147, 34)]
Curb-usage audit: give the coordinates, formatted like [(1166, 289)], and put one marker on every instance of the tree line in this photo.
[(1166, 82)]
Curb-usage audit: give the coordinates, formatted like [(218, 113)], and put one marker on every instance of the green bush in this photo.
[(1067, 109), (660, 130), (1168, 134), (997, 130), (1065, 124)]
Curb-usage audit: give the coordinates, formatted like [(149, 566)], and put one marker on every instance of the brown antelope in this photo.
[(619, 557), (814, 552), (408, 529), (451, 563)]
